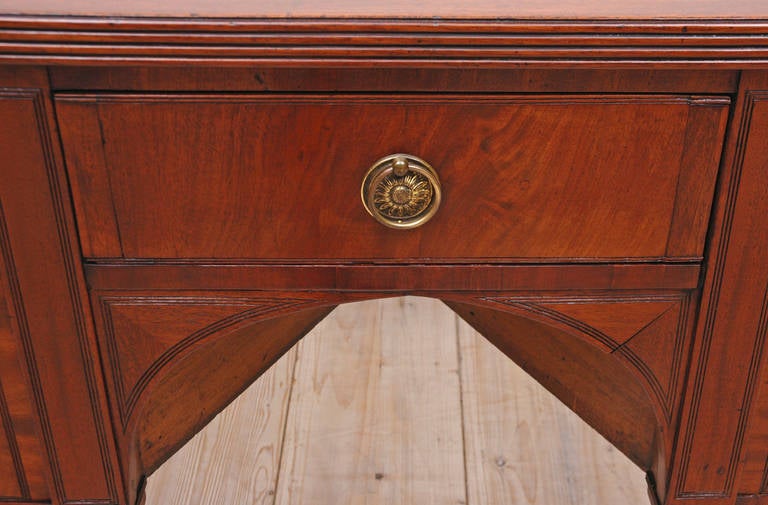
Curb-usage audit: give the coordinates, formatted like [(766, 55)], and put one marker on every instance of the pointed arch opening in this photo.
[(601, 386)]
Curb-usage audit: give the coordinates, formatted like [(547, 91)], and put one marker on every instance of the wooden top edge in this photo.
[(756, 24), (342, 33), (395, 9)]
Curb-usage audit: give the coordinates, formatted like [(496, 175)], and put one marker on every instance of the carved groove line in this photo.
[(751, 99), (662, 397), (64, 232), (762, 330), (109, 177), (665, 399), (749, 392), (567, 321), (346, 99), (527, 260), (4, 410), (7, 423), (764, 481), (532, 305), (599, 297), (126, 405), (683, 330), (285, 44), (35, 96)]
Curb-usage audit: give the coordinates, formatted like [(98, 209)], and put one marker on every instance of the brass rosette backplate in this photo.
[(401, 191)]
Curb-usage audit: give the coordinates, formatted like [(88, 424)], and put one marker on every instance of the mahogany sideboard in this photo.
[(186, 188)]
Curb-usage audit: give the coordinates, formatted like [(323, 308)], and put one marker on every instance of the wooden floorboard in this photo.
[(235, 459), (524, 447), (396, 402), (375, 415)]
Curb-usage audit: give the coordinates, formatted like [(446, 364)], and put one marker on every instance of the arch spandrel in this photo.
[(175, 361)]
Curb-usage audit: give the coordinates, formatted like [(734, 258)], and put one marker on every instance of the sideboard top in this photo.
[(397, 9), (405, 33)]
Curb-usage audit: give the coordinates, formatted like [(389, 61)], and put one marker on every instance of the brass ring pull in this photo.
[(401, 191)]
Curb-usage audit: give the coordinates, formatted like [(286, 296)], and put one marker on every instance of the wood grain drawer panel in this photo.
[(277, 177)]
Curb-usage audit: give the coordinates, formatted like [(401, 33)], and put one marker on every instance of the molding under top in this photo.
[(674, 34)]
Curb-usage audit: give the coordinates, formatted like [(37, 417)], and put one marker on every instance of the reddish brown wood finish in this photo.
[(546, 167), (394, 80), (587, 379), (495, 35), (49, 301), (671, 10), (232, 353), (390, 278), (22, 461), (165, 351), (649, 335), (216, 231), (756, 499), (734, 316), (755, 475)]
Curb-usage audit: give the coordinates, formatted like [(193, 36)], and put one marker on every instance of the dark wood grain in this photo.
[(554, 170), (394, 80), (390, 278)]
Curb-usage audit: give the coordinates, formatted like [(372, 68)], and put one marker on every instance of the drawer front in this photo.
[(524, 178)]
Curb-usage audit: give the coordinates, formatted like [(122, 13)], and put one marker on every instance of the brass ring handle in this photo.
[(401, 191)]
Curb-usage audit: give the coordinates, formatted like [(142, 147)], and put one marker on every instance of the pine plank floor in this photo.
[(396, 402)]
